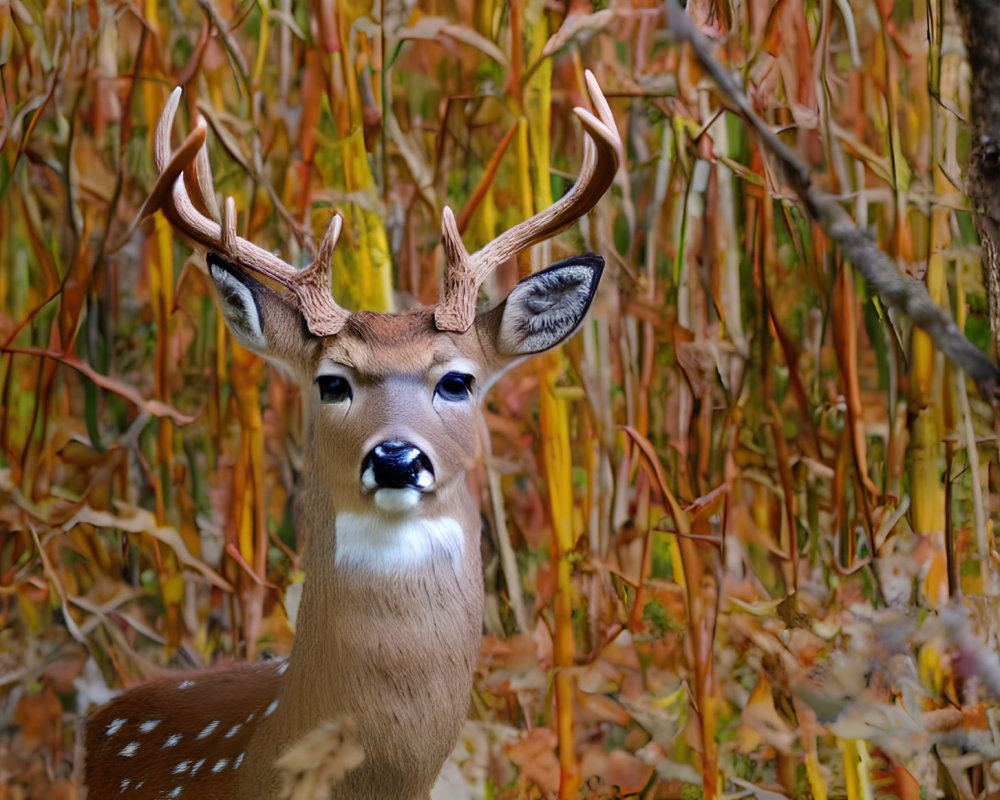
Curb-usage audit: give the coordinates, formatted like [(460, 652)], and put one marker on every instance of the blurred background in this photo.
[(721, 523)]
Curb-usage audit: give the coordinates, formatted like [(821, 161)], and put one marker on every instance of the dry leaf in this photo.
[(317, 761), (535, 756)]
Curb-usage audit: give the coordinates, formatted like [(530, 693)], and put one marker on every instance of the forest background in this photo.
[(745, 516)]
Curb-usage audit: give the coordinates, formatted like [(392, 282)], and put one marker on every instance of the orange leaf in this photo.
[(535, 756), (40, 718)]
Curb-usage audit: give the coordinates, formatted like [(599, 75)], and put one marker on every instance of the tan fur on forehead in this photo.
[(373, 327), (376, 344)]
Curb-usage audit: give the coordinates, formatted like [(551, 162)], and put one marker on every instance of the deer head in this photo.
[(391, 399)]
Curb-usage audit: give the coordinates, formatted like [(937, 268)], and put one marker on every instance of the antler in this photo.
[(464, 274), (311, 285)]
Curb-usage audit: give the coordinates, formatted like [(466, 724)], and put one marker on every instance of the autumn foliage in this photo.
[(739, 529)]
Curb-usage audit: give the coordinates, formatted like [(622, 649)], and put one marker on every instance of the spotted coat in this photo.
[(147, 751)]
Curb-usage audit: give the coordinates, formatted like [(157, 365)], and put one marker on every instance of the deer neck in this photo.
[(388, 634)]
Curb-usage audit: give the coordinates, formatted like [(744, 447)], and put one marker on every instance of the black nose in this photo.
[(396, 465)]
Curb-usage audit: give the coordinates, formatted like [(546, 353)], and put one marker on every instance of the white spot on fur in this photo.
[(115, 726), (270, 709), (208, 729), (384, 545), (148, 725), (172, 739), (176, 791), (396, 501), (250, 718), (238, 761), (220, 765), (124, 784), (185, 684), (232, 731), (197, 766), (182, 767), (283, 668), (129, 750)]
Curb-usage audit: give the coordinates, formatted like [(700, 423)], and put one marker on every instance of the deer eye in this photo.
[(333, 388), (454, 387)]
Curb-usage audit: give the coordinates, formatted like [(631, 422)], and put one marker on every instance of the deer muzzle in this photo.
[(397, 472)]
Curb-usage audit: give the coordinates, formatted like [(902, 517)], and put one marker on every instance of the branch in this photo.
[(907, 294)]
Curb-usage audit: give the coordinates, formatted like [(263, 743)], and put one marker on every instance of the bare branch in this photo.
[(895, 289)]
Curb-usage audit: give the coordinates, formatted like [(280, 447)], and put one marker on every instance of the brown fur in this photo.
[(226, 696)]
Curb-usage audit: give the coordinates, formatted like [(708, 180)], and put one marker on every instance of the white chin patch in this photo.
[(385, 545), (396, 501)]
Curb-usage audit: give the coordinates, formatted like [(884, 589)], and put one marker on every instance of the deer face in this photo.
[(392, 401)]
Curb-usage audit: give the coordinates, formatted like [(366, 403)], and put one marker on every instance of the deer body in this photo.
[(390, 621), (408, 692)]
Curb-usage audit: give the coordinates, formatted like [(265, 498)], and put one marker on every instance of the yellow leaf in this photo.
[(851, 779), (173, 589), (29, 611), (762, 608), (263, 37), (816, 782), (931, 669), (761, 721)]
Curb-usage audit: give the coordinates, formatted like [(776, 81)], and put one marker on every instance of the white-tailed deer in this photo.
[(389, 626)]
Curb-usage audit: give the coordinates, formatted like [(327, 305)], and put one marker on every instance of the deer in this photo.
[(390, 622)]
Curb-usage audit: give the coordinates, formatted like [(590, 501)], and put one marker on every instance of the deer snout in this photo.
[(397, 472)]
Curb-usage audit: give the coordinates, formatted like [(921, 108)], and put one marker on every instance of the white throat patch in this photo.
[(383, 545)]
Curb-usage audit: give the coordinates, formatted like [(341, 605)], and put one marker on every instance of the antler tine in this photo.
[(324, 257), (165, 124), (170, 166), (323, 316), (464, 274), (205, 184), (319, 274)]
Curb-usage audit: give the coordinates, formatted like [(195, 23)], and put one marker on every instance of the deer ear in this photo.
[(260, 318), (547, 307)]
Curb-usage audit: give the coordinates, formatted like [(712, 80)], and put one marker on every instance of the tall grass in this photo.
[(720, 518)]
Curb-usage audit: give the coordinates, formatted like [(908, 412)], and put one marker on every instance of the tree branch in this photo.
[(907, 294)]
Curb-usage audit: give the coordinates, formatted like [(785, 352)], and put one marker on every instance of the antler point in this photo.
[(228, 229), (324, 257)]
